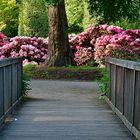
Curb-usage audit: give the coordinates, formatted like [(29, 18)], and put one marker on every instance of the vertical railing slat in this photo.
[(1, 94), (123, 90), (133, 96)]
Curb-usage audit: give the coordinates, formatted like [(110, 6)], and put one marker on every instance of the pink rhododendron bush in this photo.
[(83, 44), (94, 44), (98, 42), (125, 45), (30, 48)]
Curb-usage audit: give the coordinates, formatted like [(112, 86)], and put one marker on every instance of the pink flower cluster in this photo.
[(30, 48), (2, 39), (83, 55), (83, 44), (89, 36), (122, 45)]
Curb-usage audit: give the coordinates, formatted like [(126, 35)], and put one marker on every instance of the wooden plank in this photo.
[(128, 91), (10, 61), (19, 78), (113, 83), (14, 84), (7, 89), (137, 102), (124, 63), (133, 96), (119, 88), (1, 93)]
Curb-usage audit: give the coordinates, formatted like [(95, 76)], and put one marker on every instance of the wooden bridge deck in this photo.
[(64, 110)]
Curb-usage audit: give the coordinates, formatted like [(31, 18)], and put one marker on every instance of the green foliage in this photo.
[(128, 24), (9, 17), (87, 17), (75, 15), (80, 67), (25, 84), (107, 11), (51, 2), (33, 18), (75, 28), (104, 82), (29, 70)]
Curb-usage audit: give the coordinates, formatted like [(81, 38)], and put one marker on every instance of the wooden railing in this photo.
[(124, 92), (10, 85)]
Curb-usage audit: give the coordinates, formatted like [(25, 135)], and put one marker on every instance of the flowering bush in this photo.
[(123, 45), (99, 41), (30, 48), (89, 36), (94, 44), (83, 44)]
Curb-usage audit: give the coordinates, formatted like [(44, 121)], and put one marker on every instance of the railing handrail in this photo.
[(124, 63), (8, 61)]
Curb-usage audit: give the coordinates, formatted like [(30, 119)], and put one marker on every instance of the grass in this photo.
[(80, 67), (67, 73)]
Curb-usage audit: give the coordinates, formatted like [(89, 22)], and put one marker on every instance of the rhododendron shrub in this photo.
[(30, 48), (89, 36), (124, 45), (94, 44), (83, 44)]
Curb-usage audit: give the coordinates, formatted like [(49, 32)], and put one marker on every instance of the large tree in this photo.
[(59, 52)]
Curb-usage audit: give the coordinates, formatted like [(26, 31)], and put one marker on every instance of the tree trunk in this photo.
[(59, 52)]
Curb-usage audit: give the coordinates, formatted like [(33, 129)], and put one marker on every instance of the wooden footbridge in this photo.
[(58, 110)]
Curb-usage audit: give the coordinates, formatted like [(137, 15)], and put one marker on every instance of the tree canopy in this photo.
[(9, 17), (75, 14), (113, 10), (33, 18)]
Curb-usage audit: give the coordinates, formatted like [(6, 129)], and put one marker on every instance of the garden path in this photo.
[(64, 110)]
